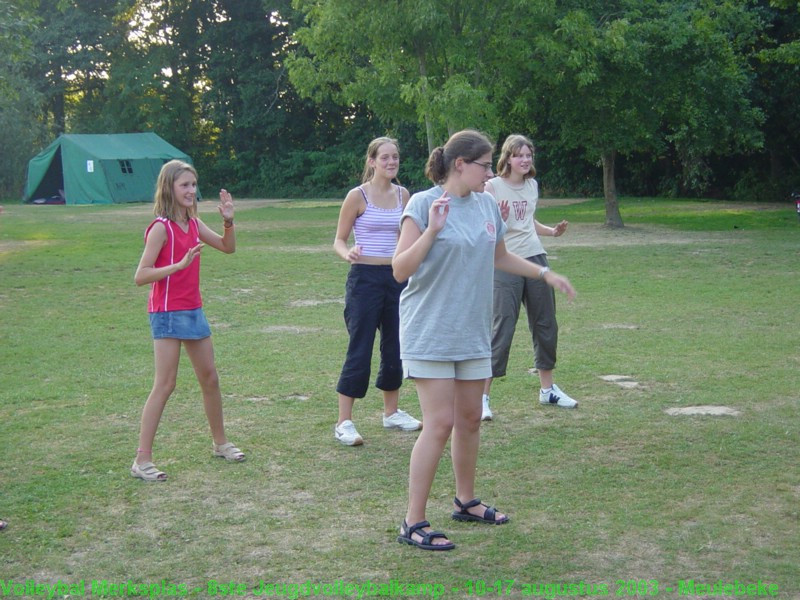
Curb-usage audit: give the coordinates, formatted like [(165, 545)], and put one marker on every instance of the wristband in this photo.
[(227, 223), (543, 272)]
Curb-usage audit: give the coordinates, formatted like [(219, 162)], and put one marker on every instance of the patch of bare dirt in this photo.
[(715, 411), (593, 235)]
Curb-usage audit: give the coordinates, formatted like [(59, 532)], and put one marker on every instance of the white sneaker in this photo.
[(401, 420), (556, 397), (347, 434), (486, 415)]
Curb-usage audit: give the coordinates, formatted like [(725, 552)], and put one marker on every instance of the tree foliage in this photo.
[(280, 97), (406, 59), (18, 101)]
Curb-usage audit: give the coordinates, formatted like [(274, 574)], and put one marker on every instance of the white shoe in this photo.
[(486, 414), (346, 433), (556, 397), (401, 420)]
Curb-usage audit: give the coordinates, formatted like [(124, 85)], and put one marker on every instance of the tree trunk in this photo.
[(613, 218), (429, 134), (423, 72), (58, 103)]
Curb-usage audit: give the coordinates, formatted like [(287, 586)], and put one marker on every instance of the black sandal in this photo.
[(427, 536), (465, 515)]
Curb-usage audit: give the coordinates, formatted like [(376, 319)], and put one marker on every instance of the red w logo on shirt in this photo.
[(520, 208)]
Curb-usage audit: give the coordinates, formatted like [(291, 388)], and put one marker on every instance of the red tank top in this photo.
[(181, 290)]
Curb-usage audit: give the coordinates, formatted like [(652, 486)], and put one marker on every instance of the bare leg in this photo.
[(436, 399), (201, 353), (167, 354), (546, 378), (345, 408), (466, 436), (390, 401), (466, 440)]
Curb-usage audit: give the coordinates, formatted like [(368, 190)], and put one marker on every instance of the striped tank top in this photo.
[(376, 229)]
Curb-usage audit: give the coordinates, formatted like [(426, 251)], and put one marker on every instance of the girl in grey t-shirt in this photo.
[(451, 240)]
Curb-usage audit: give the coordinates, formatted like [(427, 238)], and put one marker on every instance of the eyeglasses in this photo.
[(487, 166)]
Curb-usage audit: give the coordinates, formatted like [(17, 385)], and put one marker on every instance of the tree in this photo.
[(19, 101), (778, 69), (72, 49), (405, 59), (639, 77)]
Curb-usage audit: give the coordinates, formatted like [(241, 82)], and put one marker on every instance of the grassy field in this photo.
[(692, 304)]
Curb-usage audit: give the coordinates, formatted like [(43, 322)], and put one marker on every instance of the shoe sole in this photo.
[(432, 547), (136, 475), (401, 428), (457, 516), (557, 405), (356, 442)]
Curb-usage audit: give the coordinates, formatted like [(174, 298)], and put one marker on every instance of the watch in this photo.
[(543, 272)]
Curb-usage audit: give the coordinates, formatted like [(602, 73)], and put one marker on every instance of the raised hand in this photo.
[(505, 209), (225, 204), (437, 216)]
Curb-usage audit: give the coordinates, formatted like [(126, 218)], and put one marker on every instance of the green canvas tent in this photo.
[(98, 168)]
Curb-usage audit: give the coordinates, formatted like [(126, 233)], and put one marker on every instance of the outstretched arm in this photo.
[(555, 231), (516, 265)]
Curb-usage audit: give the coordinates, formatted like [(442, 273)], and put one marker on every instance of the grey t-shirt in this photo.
[(446, 308)]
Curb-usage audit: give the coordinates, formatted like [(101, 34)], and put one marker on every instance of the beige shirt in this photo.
[(521, 235)]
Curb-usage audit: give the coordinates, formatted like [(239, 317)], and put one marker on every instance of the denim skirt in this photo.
[(180, 324)]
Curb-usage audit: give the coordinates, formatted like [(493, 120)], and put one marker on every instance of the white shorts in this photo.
[(476, 368)]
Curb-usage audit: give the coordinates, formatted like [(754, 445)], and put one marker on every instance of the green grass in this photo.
[(697, 302)]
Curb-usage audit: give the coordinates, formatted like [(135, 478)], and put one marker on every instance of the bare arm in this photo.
[(405, 196), (146, 272), (555, 231), (350, 211), (227, 241), (414, 245)]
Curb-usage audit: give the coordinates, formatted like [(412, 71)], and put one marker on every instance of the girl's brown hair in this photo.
[(372, 153), (164, 203), (511, 147), (467, 144)]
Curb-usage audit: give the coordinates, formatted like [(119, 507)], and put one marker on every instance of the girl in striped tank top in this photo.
[(371, 212)]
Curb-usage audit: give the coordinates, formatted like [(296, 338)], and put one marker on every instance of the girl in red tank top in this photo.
[(170, 263)]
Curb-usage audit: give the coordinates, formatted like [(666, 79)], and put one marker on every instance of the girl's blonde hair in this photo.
[(511, 147), (164, 203), (372, 153), (467, 144)]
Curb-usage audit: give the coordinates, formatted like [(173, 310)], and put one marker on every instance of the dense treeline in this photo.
[(276, 98)]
